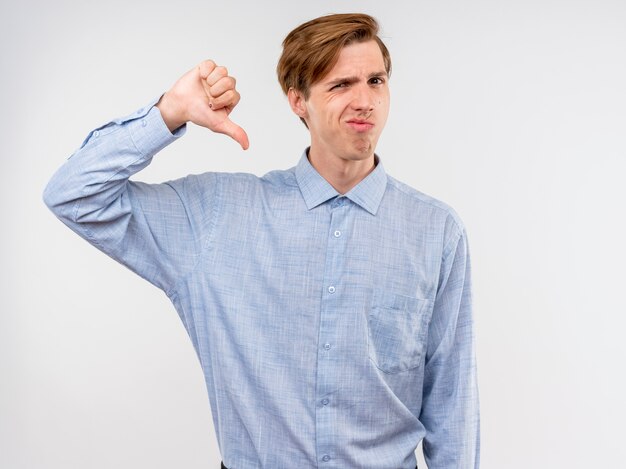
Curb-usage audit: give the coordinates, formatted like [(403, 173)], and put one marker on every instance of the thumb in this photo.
[(228, 127)]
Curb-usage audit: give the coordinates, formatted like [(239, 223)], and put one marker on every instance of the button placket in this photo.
[(329, 356)]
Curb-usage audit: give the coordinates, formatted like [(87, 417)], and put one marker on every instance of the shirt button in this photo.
[(326, 458), (143, 122), (96, 133), (331, 289), (140, 111), (337, 234), (327, 346), (324, 401)]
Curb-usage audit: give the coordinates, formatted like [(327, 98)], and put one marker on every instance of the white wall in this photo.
[(512, 112)]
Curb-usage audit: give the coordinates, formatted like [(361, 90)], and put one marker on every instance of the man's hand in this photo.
[(205, 95)]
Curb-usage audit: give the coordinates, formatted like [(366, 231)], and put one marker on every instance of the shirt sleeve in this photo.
[(450, 410), (152, 229)]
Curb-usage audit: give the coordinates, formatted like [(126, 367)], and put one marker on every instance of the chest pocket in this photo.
[(398, 331)]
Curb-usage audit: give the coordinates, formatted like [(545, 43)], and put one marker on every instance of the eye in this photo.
[(377, 81), (339, 85)]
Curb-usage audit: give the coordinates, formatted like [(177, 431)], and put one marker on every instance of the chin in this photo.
[(363, 149)]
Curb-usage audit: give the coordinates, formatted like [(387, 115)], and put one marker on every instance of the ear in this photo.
[(297, 103)]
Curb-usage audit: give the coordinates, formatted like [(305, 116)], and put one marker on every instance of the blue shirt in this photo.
[(334, 331)]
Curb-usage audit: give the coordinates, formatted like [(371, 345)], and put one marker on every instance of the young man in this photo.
[(329, 304)]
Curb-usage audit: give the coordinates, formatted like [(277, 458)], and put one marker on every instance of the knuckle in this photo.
[(224, 99), (206, 67), (218, 101), (227, 94)]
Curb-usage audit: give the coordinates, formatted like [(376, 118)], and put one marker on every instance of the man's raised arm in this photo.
[(157, 230)]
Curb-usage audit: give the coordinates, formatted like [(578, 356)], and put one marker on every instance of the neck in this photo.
[(342, 174)]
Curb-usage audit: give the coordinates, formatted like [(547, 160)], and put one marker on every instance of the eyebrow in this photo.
[(354, 79)]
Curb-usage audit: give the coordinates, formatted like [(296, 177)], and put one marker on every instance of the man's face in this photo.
[(347, 109)]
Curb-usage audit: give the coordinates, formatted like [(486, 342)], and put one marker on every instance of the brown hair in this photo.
[(312, 49)]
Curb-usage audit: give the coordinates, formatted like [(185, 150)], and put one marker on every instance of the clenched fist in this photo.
[(205, 95)]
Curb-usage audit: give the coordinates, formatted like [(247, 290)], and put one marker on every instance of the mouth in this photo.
[(360, 125)]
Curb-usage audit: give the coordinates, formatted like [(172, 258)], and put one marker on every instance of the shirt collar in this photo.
[(316, 190)]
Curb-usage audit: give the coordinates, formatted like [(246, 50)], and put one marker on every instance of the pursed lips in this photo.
[(360, 125)]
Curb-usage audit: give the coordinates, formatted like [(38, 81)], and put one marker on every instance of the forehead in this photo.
[(358, 58)]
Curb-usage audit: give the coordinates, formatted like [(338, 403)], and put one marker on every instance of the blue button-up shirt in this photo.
[(334, 331)]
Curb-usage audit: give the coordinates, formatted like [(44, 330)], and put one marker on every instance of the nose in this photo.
[(363, 98)]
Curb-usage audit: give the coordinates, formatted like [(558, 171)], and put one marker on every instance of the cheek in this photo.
[(332, 117), (383, 108), (328, 113)]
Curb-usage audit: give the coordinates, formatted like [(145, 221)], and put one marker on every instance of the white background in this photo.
[(514, 113)]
